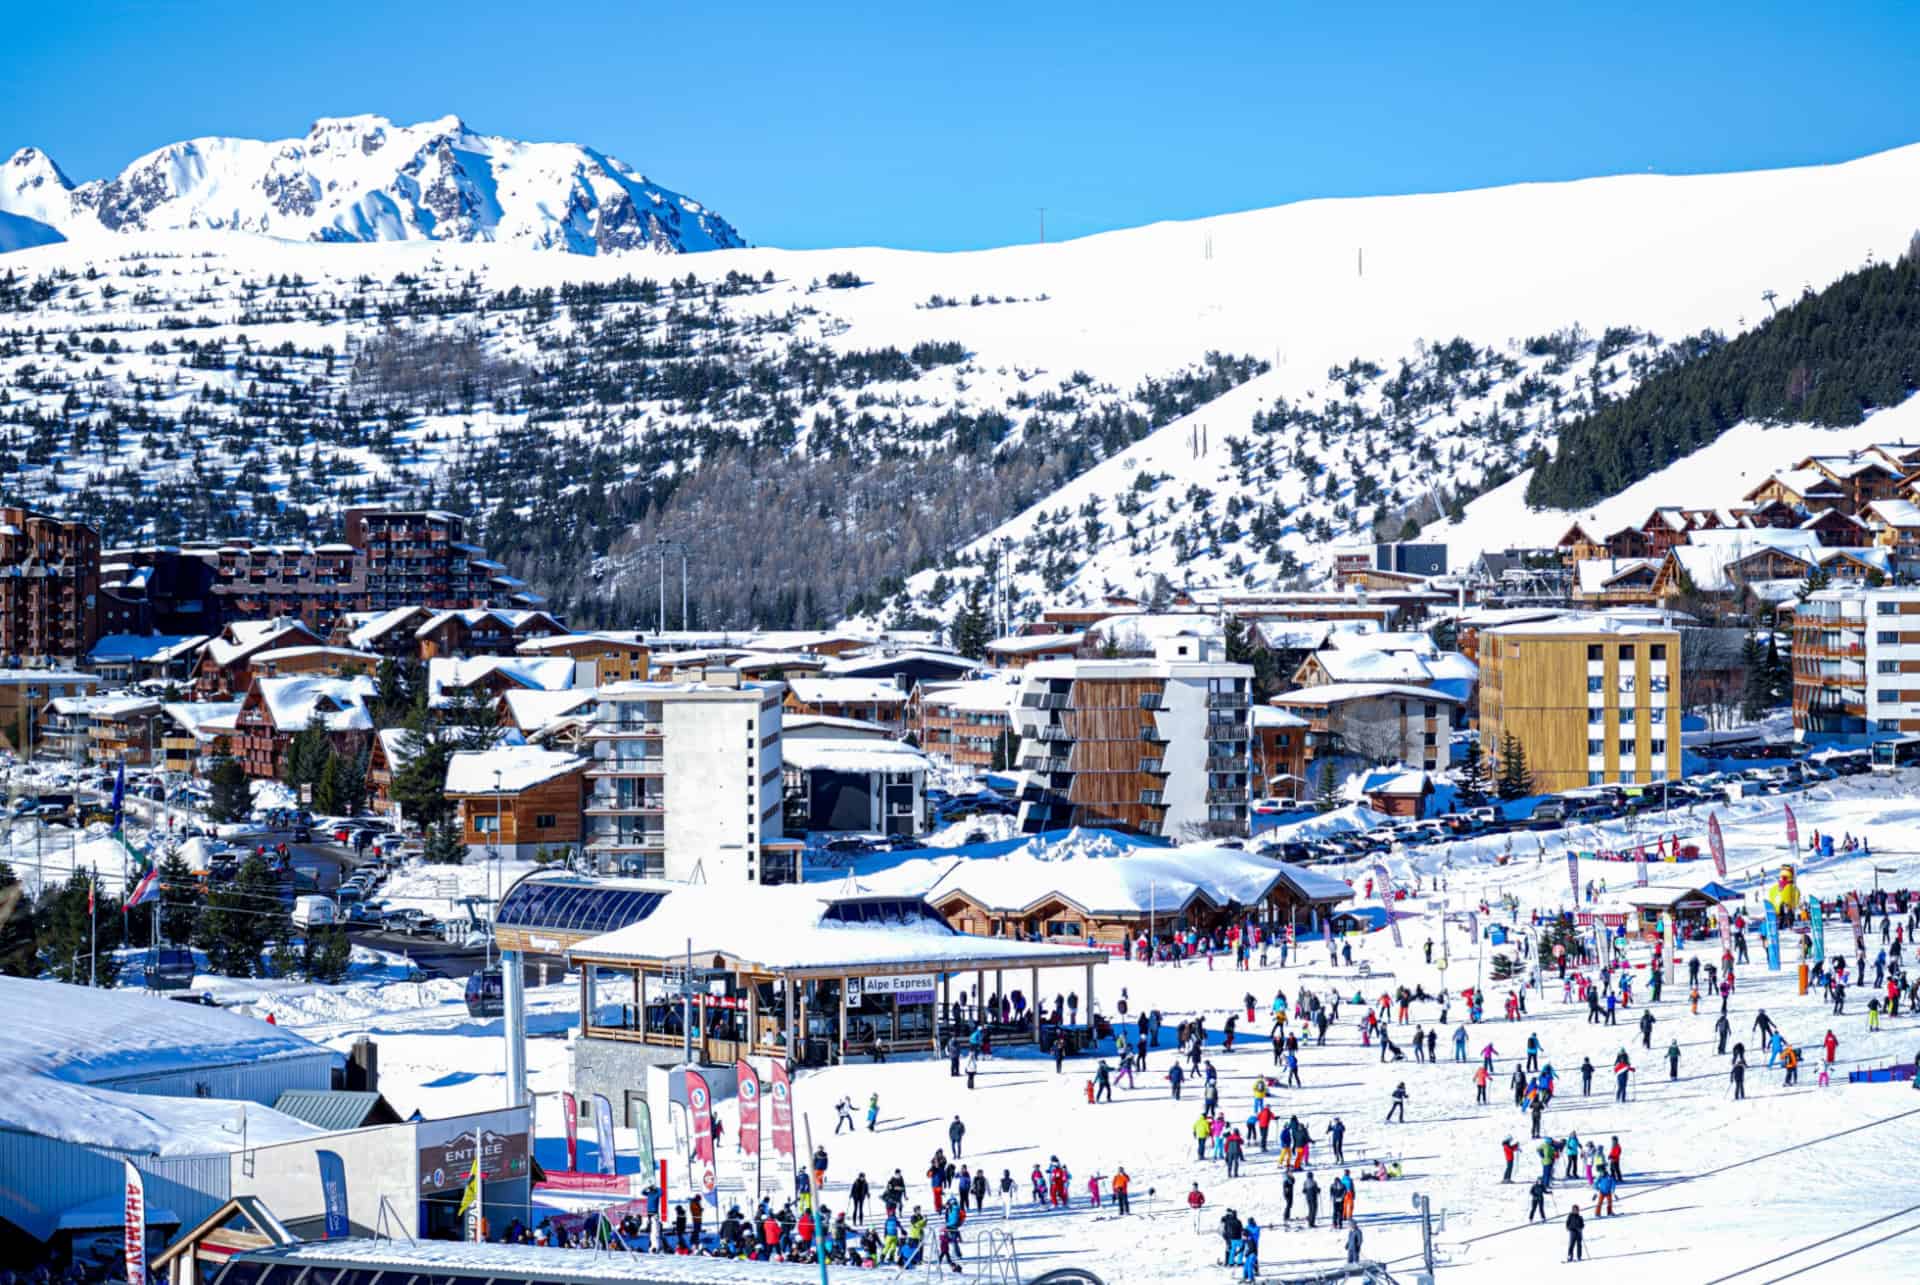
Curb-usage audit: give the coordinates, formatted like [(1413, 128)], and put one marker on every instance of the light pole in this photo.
[(493, 865), (662, 546)]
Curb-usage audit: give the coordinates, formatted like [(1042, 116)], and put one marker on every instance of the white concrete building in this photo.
[(1856, 665), (685, 783), (1161, 745)]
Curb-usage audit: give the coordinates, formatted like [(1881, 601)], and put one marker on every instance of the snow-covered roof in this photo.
[(560, 642), (1139, 630), (791, 926), (1596, 622), (850, 754), (1400, 782), (64, 1044), (1270, 716), (531, 710), (203, 719), (988, 696), (480, 1260), (832, 726), (1373, 666), (1103, 876), (847, 691), (446, 674), (878, 659), (245, 637), (1597, 575), (1337, 693), (1027, 644), (1904, 514), (520, 767), (341, 703), (345, 655), (475, 616), (1709, 556), (370, 627), (157, 649)]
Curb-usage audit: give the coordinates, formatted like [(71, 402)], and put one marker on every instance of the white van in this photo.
[(314, 912)]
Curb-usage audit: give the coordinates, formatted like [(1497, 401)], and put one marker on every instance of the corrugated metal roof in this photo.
[(330, 1109)]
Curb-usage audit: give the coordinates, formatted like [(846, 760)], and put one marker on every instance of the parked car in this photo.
[(410, 921)]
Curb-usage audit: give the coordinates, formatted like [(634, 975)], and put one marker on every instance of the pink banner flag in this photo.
[(1793, 830), (700, 1107), (1718, 844), (1640, 866)]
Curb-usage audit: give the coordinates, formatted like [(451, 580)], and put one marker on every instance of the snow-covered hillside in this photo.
[(364, 178), (1384, 359)]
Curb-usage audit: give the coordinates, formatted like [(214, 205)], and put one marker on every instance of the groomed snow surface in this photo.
[(1712, 1187)]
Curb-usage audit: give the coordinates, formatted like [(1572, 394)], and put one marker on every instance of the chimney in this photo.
[(363, 1066)]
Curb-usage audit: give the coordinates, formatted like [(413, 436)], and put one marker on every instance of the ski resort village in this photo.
[(1365, 740)]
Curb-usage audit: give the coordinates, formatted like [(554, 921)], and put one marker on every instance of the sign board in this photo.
[(306, 793), (446, 1150), (908, 988)]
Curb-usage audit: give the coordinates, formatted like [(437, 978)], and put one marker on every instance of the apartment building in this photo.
[(1371, 723), (24, 694), (1591, 700), (49, 588), (685, 782), (1160, 746), (963, 723), (1856, 665), (388, 558)]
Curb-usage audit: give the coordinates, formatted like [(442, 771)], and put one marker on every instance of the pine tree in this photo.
[(470, 719), (1328, 797), (1516, 782), (1754, 693), (326, 788), (419, 785), (180, 900), (17, 954), (307, 755), (231, 795), (972, 626), (67, 935), (444, 847), (331, 958), (1779, 673), (241, 919), (1475, 780)]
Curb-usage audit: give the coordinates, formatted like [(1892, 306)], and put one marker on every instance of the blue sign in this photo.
[(333, 1190)]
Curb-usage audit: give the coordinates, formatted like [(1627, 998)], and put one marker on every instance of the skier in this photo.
[(1576, 1240), (1311, 1190), (1646, 1029), (1399, 1103), (873, 1111), (1538, 1205), (1673, 1060), (1353, 1242), (1586, 1077), (1509, 1149), (955, 1132), (843, 1110), (1337, 1135)]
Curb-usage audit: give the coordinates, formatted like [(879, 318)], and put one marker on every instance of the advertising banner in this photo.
[(782, 1091), (1718, 844), (333, 1194), (572, 1105), (603, 1133), (700, 1107), (136, 1216)]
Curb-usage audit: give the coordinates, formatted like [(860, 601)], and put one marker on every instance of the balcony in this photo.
[(1227, 763), (1227, 700), (1227, 796), (1050, 732), (1153, 767), (1153, 735), (1044, 763), (1044, 700), (1153, 798), (612, 803)]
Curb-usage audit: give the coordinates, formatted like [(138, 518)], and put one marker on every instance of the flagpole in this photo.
[(93, 929)]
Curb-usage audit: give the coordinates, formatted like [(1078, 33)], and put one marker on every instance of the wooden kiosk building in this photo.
[(816, 973)]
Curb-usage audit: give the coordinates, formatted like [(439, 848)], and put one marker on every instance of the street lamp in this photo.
[(494, 860)]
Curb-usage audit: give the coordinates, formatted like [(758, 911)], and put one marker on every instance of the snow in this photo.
[(519, 767), (782, 927), (849, 691), (447, 674), (340, 704), (1334, 693), (365, 178), (851, 754), (64, 1041)]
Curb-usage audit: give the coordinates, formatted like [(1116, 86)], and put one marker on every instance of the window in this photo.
[(1432, 710), (1888, 637), (1888, 725), (1626, 653), (488, 824), (1657, 652), (1656, 746), (1626, 749), (1597, 714), (1629, 777), (1626, 684), (1658, 775), (545, 821), (1886, 608), (1594, 683), (1596, 778), (1887, 667), (1626, 716), (1596, 747), (1594, 652), (1657, 714)]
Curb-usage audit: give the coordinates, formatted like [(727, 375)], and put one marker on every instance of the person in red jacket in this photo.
[(1509, 1149), (1833, 1046), (1194, 1198)]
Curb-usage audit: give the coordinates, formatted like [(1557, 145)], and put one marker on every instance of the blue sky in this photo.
[(947, 126)]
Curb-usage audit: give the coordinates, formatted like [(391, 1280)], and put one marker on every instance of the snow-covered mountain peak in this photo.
[(364, 178)]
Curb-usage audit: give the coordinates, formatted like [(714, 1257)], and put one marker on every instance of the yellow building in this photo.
[(1592, 701)]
